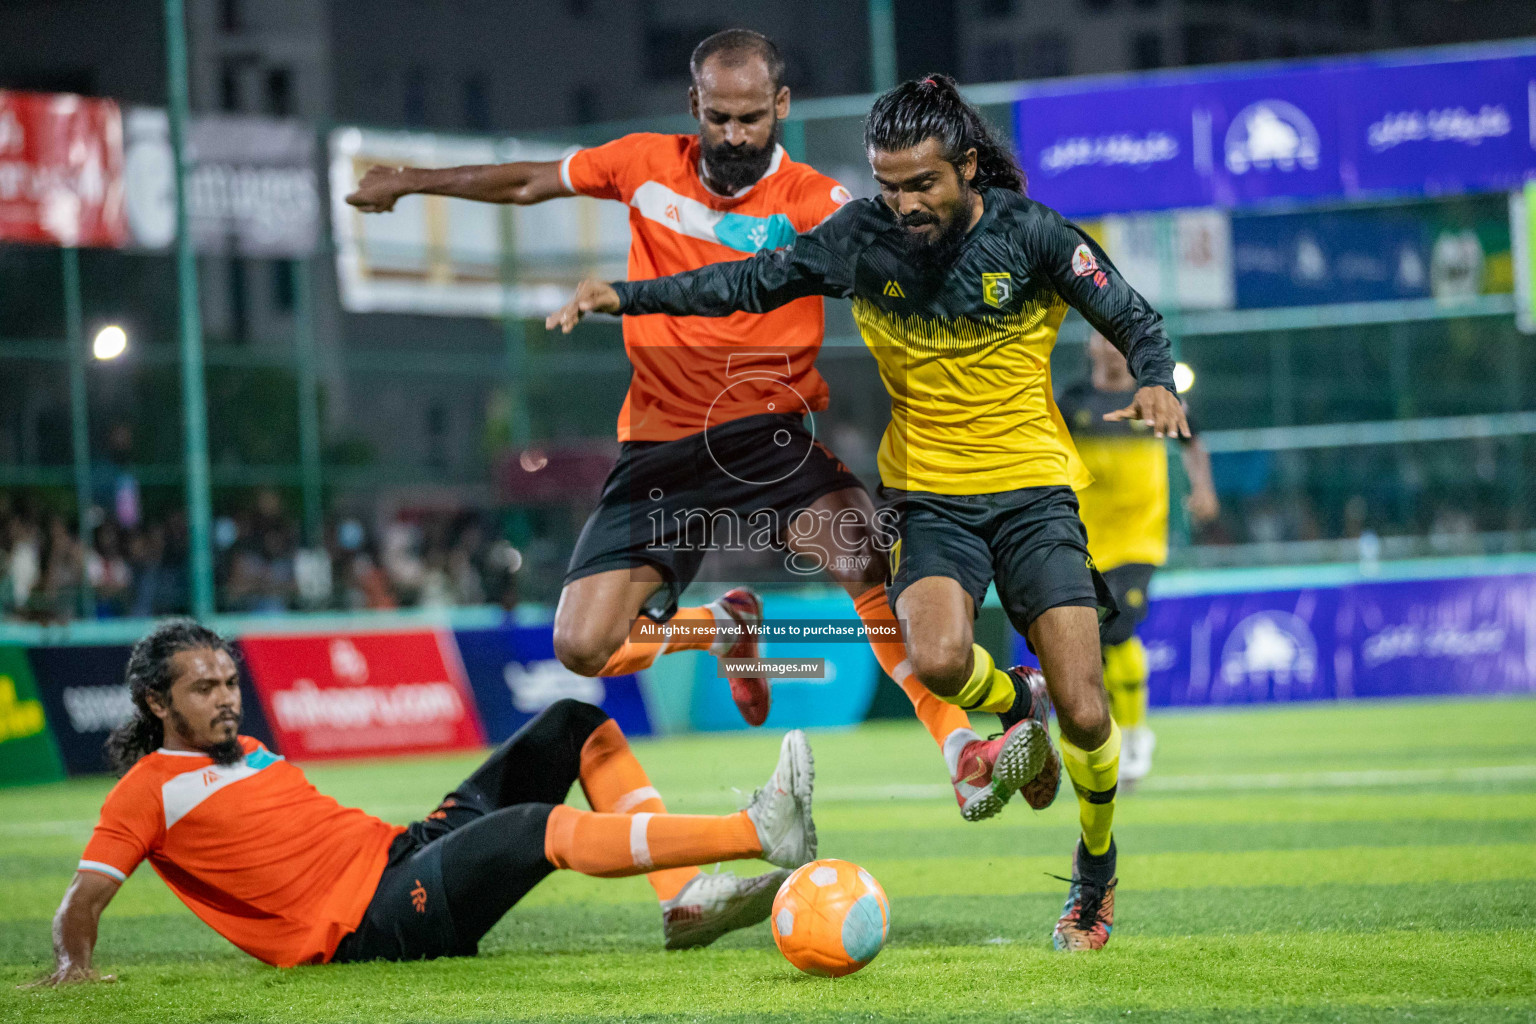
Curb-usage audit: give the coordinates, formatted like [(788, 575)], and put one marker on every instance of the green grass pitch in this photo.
[(1365, 862)]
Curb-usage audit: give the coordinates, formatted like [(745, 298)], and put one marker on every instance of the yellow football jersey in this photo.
[(964, 350), (1125, 509)]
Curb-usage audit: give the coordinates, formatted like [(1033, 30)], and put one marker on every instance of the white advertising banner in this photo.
[(1201, 247), (252, 189), (443, 256)]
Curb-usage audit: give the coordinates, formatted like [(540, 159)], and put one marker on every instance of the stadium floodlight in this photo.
[(111, 341), (1183, 377)]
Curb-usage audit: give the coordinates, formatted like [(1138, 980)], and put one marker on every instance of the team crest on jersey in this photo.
[(996, 289), (1083, 262), (893, 290)]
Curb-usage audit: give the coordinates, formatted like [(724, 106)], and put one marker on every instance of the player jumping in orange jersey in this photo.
[(713, 428), (290, 876)]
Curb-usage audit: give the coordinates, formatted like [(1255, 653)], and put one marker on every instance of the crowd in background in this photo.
[(140, 568)]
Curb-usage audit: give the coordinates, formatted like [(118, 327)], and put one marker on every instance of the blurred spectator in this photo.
[(109, 573)]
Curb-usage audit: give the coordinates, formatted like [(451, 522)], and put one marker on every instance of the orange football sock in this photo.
[(615, 783), (633, 655), (616, 845), (940, 719)]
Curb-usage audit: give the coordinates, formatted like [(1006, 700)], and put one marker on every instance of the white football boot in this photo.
[(781, 810), (711, 905), (1136, 746)]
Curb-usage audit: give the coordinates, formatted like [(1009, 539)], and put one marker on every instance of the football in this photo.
[(830, 918)]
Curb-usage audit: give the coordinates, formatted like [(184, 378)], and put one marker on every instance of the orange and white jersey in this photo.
[(266, 860), (693, 372)]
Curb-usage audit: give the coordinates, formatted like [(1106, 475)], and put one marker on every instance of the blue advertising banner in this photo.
[(1446, 249), (841, 698), (1463, 636), (1335, 256), (1412, 125), (515, 675), (1473, 635), (1459, 127)]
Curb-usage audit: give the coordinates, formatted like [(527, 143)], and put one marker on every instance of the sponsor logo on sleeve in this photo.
[(841, 195), (1083, 262)]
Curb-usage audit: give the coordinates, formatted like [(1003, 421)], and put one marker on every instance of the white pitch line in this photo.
[(1384, 777)]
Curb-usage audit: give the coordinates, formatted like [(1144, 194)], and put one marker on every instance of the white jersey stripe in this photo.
[(101, 869)]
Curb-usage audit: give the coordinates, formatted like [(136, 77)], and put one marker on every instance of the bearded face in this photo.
[(733, 167), (934, 236)]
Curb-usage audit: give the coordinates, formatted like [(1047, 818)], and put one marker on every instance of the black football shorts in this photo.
[(1030, 542), (666, 503)]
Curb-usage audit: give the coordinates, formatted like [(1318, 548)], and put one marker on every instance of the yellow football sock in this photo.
[(1125, 676), (1095, 774), (988, 689)]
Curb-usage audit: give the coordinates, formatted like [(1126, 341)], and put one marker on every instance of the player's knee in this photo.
[(942, 664), (584, 650), (574, 716), (1083, 713)]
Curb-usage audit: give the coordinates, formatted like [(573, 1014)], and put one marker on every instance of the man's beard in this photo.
[(933, 258), (729, 169), (223, 752)]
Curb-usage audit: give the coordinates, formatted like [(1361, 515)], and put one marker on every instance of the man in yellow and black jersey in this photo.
[(959, 284), (1126, 513)]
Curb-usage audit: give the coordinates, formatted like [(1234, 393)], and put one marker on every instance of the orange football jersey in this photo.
[(694, 372), (266, 860)]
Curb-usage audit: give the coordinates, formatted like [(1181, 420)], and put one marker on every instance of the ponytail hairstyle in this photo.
[(149, 672), (931, 107)]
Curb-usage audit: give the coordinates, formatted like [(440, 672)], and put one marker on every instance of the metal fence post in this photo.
[(310, 478), (194, 405), (79, 418), (882, 45)]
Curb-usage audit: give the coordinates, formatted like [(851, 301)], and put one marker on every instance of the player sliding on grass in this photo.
[(959, 284), (292, 877), (712, 430)]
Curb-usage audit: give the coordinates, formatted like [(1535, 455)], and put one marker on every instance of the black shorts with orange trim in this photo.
[(667, 503)]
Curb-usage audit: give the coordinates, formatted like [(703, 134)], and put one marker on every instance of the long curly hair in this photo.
[(149, 672), (931, 107)]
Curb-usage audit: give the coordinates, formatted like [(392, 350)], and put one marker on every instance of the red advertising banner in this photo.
[(363, 694), (61, 170)]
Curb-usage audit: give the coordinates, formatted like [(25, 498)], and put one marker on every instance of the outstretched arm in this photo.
[(1202, 502), (521, 183), (813, 265), (1085, 277), (74, 929)]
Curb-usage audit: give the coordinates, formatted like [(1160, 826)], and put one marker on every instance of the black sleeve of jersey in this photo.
[(1113, 307), (816, 264)]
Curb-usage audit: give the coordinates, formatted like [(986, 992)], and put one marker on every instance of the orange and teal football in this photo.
[(830, 918)]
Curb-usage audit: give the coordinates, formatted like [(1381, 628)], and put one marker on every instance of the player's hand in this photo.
[(1159, 407), (68, 974), (591, 296), (379, 189), (1203, 505)]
